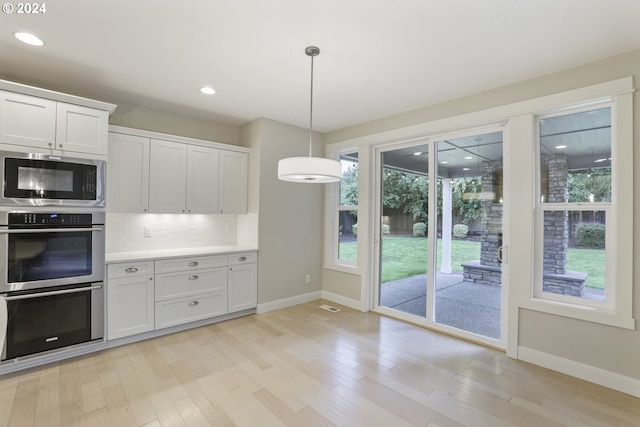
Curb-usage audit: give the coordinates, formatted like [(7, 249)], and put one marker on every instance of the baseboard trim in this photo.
[(288, 302), (339, 299), (583, 371)]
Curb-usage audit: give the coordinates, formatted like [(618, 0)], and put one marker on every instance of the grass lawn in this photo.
[(404, 256)]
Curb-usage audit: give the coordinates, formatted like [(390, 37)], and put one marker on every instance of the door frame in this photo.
[(376, 208)]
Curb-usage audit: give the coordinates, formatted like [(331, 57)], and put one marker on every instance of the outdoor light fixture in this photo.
[(310, 169)]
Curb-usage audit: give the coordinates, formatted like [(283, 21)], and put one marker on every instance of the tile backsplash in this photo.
[(126, 232)]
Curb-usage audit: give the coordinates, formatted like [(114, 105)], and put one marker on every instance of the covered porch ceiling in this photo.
[(584, 137)]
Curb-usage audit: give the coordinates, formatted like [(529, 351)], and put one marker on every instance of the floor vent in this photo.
[(329, 308)]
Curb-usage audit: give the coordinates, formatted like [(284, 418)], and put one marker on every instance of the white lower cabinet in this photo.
[(130, 299), (152, 295), (184, 310), (242, 282)]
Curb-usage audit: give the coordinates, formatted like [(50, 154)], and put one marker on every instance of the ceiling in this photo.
[(377, 57)]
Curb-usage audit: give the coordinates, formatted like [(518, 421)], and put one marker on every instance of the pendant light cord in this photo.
[(311, 108)]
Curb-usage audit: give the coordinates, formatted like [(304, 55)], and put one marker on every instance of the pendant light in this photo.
[(310, 169)]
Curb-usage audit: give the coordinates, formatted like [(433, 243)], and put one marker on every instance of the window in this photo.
[(575, 195), (348, 210), (577, 210)]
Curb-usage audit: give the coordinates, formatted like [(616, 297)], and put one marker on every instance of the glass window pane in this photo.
[(348, 236), (575, 157), (349, 183), (574, 253)]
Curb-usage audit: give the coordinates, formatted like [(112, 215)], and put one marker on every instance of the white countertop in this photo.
[(112, 257)]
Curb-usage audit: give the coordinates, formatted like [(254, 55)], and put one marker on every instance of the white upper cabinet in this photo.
[(27, 120), (128, 173), (81, 129), (146, 174), (30, 121), (168, 177), (202, 179), (233, 182)]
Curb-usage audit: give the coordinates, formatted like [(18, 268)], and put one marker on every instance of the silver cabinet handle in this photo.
[(131, 270), (194, 277), (193, 263), (242, 258), (193, 303)]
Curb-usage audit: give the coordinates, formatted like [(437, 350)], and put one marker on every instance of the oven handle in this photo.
[(50, 230), (44, 294)]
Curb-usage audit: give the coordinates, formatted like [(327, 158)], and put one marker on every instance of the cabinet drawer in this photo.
[(243, 258), (190, 263), (190, 309), (184, 283), (130, 269)]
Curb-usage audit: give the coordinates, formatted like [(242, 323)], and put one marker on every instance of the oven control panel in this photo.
[(49, 219)]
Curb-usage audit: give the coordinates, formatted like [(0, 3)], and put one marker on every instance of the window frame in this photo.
[(332, 213), (616, 309)]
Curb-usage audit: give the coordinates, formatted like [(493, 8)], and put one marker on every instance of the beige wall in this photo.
[(608, 348), (290, 214), (174, 124)]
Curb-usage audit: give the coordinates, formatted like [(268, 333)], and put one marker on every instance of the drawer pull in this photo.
[(193, 303), (242, 258), (131, 270), (194, 277), (193, 263)]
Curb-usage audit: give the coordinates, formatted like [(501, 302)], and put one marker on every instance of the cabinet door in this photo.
[(81, 129), (202, 179), (128, 173), (242, 287), (233, 182), (27, 120), (167, 177), (130, 306)]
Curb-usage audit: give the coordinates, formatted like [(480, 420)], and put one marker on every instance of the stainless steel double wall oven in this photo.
[(52, 249)]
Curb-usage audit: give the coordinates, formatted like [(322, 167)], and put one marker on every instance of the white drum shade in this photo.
[(309, 169)]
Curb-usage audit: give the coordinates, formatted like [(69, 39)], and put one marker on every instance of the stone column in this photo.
[(556, 223), (491, 220)]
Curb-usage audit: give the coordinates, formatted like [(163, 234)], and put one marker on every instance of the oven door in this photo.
[(43, 180), (39, 321), (44, 257)]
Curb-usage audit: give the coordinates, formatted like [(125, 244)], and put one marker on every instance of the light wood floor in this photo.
[(304, 366)]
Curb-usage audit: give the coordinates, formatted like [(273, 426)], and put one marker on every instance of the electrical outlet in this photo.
[(147, 231), (308, 279)]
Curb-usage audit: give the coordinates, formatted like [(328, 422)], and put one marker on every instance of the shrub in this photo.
[(590, 235), (386, 229), (460, 231), (419, 229), (354, 230)]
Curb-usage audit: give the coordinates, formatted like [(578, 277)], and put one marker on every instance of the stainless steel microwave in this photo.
[(47, 180)]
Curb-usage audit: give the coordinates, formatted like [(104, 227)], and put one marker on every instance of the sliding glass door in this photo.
[(468, 279), (439, 232), (402, 229)]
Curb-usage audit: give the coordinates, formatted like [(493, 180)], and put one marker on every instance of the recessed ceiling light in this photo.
[(560, 147), (468, 158), (444, 162), (207, 90), (28, 38), (465, 169), (417, 153)]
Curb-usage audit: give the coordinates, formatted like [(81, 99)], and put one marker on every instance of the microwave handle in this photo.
[(49, 230)]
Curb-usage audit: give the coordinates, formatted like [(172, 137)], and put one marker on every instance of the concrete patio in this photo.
[(464, 305)]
